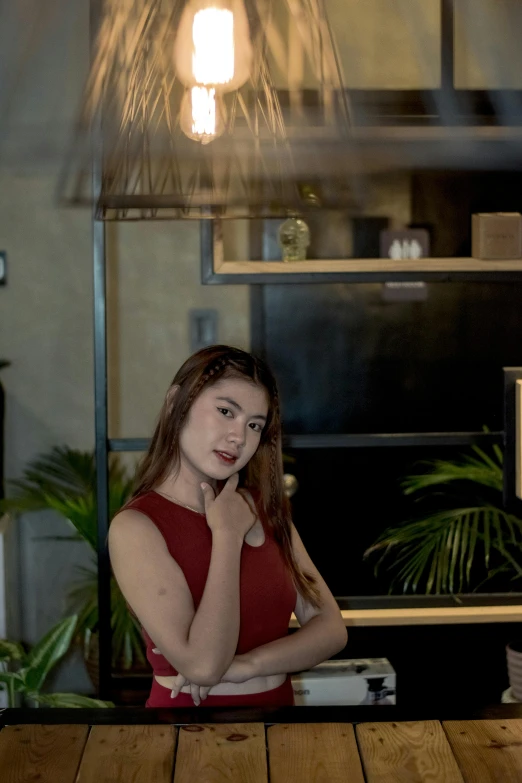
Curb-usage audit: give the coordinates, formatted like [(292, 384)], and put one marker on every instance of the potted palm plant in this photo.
[(64, 480), (459, 545)]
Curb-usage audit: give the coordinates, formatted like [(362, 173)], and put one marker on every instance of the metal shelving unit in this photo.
[(407, 102)]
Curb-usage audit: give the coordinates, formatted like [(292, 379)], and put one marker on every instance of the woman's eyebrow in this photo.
[(239, 408)]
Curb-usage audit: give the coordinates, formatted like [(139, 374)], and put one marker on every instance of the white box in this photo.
[(346, 681)]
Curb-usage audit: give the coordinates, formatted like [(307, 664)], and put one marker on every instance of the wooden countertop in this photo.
[(291, 745)]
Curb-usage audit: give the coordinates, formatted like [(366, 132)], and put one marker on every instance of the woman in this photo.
[(206, 553)]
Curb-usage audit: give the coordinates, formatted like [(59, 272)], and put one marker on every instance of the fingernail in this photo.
[(203, 486)]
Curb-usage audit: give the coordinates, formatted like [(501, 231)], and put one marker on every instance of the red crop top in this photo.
[(267, 593)]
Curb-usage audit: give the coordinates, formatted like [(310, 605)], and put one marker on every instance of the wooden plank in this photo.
[(444, 615), (141, 754), (408, 752), (45, 754), (319, 266), (487, 751), (318, 752), (216, 753)]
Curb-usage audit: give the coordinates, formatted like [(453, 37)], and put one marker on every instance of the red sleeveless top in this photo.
[(267, 593)]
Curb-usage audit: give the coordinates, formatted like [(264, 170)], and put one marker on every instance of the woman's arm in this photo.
[(312, 644), (322, 633), (198, 643)]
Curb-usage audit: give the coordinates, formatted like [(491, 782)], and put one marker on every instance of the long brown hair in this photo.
[(262, 475)]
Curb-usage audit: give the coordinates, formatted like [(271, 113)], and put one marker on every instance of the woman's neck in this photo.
[(185, 488)]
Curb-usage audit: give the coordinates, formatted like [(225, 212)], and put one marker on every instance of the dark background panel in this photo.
[(348, 497), (443, 202), (347, 361)]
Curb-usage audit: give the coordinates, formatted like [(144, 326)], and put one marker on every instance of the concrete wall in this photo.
[(46, 312)]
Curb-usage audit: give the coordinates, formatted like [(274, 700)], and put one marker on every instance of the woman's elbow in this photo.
[(343, 639), (205, 677)]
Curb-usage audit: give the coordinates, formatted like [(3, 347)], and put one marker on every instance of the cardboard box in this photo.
[(346, 681), (496, 235)]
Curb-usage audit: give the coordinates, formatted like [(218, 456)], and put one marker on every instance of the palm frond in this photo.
[(434, 550), (61, 475), (127, 640), (483, 471)]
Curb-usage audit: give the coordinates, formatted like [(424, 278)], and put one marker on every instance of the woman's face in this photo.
[(223, 428)]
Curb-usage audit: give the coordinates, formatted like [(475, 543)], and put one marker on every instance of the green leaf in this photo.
[(47, 653), (472, 544), (487, 538), (80, 513), (431, 549), (69, 700), (11, 651), (13, 678), (463, 548), (441, 472), (127, 642), (455, 553), (64, 475)]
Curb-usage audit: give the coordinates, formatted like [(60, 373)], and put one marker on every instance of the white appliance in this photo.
[(346, 682)]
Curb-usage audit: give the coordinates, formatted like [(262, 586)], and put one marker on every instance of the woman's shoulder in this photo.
[(141, 513)]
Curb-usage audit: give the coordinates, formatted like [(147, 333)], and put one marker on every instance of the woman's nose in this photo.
[(237, 433)]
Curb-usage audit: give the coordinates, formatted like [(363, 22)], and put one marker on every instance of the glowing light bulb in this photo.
[(212, 46), (202, 115)]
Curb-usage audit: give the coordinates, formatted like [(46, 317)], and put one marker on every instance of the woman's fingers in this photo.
[(198, 692), (231, 484), (194, 691), (179, 681), (208, 496)]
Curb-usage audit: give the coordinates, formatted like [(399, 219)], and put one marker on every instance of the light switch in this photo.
[(202, 328)]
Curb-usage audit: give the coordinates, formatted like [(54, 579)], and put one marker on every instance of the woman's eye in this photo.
[(224, 411), (258, 427)]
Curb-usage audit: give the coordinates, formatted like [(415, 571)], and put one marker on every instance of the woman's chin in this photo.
[(215, 473)]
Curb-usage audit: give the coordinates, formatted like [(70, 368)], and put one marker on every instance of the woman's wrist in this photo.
[(250, 663), (226, 538)]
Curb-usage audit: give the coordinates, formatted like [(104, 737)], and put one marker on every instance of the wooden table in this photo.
[(285, 745)]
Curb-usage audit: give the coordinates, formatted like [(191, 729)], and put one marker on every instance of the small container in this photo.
[(496, 235), (514, 665)]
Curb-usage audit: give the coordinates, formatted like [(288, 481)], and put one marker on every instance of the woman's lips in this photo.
[(226, 459)]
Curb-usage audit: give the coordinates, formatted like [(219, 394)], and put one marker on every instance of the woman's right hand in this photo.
[(229, 511)]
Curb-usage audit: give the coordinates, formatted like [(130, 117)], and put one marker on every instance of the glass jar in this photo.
[(294, 239)]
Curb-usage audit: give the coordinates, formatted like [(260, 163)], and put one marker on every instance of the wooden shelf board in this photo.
[(366, 265), (428, 616)]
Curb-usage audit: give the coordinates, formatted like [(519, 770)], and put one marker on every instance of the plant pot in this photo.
[(514, 665), (130, 687)]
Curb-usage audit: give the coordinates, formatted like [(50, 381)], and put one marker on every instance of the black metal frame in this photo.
[(104, 445), (511, 502)]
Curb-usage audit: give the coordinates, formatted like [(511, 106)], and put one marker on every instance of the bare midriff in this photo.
[(255, 685)]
